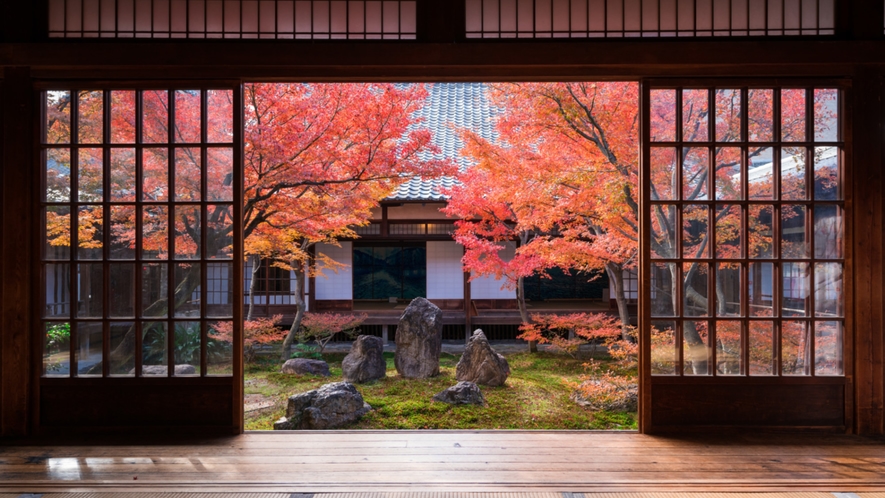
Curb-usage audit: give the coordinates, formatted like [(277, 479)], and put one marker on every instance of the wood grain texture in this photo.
[(449, 460)]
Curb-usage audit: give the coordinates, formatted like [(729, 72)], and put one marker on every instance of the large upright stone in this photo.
[(365, 362), (331, 406), (480, 363), (419, 340)]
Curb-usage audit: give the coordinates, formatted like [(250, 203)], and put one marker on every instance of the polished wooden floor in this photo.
[(451, 461)]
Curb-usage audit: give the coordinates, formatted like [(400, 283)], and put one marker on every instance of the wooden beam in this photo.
[(865, 221), (17, 218)]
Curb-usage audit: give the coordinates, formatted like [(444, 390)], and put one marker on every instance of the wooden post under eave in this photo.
[(18, 217)]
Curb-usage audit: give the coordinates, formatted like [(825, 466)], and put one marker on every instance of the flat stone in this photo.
[(306, 366), (160, 370), (462, 393)]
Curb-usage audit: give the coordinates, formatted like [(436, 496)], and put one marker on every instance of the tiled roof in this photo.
[(450, 107)]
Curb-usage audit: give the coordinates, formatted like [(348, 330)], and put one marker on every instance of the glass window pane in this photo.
[(828, 293), (58, 175), (58, 291), (663, 172), (728, 347), (155, 232), (761, 290), (728, 115), (695, 115), (826, 114), (188, 236), (90, 186), (760, 230), (696, 348), (220, 116), (155, 174), (760, 114), (795, 347), (187, 116), (89, 111), (663, 115), (122, 179), (219, 290), (664, 354), (154, 290), (793, 174), (828, 348), (760, 179), (828, 234), (57, 349), (121, 279), (696, 289), (695, 174), (219, 347), (187, 290), (663, 227), (90, 232), (219, 173), (89, 352), (728, 289), (728, 231), (188, 174), (188, 340), (793, 114), (794, 239), (827, 182), (729, 173), (57, 244), (219, 231), (695, 237), (122, 117), (155, 118), (90, 286), (664, 277), (795, 284), (122, 243), (762, 359), (154, 347), (58, 117), (122, 361)]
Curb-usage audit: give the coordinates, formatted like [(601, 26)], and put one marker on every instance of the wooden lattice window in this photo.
[(745, 231), (138, 213)]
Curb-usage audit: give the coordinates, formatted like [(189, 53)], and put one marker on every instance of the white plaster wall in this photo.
[(415, 211), (488, 287), (445, 278), (336, 285)]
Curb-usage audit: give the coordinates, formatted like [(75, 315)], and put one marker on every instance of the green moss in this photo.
[(536, 396)]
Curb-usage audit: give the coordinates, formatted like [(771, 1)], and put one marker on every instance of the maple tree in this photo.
[(318, 157)]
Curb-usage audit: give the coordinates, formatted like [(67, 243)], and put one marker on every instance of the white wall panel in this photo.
[(336, 285), (445, 278)]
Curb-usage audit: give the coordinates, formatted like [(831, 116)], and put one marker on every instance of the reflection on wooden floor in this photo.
[(324, 462)]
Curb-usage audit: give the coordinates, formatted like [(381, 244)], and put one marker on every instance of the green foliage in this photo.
[(186, 345), (58, 334), (302, 350)]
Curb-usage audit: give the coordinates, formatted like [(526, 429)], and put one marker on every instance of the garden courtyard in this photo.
[(537, 395)]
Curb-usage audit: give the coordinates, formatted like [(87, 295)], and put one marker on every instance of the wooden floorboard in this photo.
[(404, 461)]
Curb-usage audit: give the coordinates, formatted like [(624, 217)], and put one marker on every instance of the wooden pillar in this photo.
[(17, 217), (468, 308), (385, 329), (864, 191)]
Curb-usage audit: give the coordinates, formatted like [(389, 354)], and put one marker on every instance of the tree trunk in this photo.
[(256, 265), (694, 348), (616, 274), (523, 310), (300, 276)]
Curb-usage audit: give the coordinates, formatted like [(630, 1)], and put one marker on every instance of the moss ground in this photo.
[(536, 396)]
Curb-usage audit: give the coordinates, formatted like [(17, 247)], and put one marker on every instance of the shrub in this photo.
[(259, 331), (322, 327), (566, 333)]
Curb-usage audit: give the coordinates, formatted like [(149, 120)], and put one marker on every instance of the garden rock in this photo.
[(481, 364), (183, 369), (365, 361), (612, 396), (419, 340), (301, 366), (329, 407), (462, 393)]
